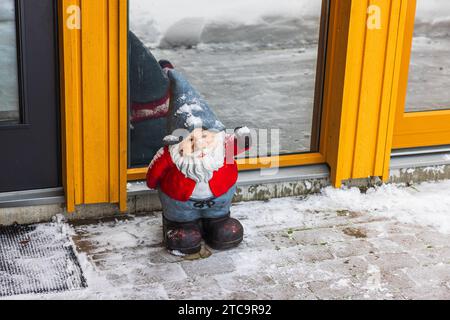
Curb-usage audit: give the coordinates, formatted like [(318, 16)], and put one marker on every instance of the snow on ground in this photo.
[(389, 243), (179, 21), (427, 204), (433, 11)]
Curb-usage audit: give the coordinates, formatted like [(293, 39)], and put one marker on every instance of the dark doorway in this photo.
[(29, 99)]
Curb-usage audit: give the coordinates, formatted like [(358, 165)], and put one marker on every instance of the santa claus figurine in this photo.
[(196, 173)]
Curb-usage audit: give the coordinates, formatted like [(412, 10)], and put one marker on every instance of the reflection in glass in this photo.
[(9, 95), (429, 76), (253, 61)]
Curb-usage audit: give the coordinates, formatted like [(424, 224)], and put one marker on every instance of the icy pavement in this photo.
[(389, 243)]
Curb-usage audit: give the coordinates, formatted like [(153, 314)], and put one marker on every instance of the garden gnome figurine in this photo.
[(196, 173)]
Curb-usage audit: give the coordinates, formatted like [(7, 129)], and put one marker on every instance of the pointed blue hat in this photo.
[(188, 110)]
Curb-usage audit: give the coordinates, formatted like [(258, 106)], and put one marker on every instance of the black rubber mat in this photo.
[(37, 259)]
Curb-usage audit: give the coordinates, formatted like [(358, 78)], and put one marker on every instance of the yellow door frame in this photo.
[(361, 135), (416, 129), (93, 62)]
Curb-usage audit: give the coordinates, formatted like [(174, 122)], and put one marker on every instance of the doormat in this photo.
[(38, 259)]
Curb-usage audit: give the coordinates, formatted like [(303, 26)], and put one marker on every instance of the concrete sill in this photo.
[(257, 177)]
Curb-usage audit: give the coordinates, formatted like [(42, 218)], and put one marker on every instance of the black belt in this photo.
[(204, 203)]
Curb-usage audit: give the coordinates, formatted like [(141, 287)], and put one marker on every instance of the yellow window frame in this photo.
[(416, 129)]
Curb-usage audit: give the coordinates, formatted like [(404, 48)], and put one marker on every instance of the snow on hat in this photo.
[(149, 86), (188, 110)]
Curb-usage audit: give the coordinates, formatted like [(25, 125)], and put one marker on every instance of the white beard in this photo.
[(197, 168)]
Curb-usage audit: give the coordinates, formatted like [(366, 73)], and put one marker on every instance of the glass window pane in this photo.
[(253, 61), (429, 77), (9, 95)]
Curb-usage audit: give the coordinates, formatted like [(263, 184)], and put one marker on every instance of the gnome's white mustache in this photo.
[(200, 165), (200, 153)]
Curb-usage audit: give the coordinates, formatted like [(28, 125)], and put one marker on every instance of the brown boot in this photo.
[(223, 233), (182, 237)]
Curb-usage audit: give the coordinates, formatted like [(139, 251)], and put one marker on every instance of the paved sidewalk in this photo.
[(392, 243), (288, 253)]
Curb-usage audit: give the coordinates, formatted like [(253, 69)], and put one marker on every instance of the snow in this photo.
[(171, 139), (426, 204), (374, 281), (177, 253), (186, 32), (243, 131), (193, 121), (433, 11), (189, 108), (179, 22), (123, 248)]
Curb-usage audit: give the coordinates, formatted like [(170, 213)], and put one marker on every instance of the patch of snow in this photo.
[(342, 283), (171, 139), (137, 186), (374, 280), (190, 22), (186, 32), (193, 121), (435, 169), (434, 11), (150, 113), (243, 131), (427, 204), (189, 108), (308, 185), (177, 253)]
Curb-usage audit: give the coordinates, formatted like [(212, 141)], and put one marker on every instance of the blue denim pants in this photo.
[(192, 209)]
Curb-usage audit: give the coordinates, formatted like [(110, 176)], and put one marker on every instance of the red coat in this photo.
[(164, 173)]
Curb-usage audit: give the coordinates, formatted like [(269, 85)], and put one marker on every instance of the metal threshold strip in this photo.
[(419, 151), (32, 198), (420, 157)]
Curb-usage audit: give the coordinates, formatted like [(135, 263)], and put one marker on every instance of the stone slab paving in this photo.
[(323, 255)]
